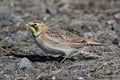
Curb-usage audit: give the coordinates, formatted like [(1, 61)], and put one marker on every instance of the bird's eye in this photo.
[(35, 24)]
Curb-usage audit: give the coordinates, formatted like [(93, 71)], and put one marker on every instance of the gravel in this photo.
[(21, 58)]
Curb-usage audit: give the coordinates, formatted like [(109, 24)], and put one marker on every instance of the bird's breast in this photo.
[(48, 47)]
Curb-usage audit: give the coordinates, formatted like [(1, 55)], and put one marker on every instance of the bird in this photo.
[(55, 41)]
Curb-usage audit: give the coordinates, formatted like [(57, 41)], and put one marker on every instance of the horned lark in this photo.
[(56, 41)]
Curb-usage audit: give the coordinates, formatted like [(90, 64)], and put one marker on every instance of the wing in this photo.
[(66, 38), (61, 35)]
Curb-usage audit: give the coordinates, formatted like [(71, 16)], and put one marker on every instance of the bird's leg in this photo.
[(64, 58), (69, 55)]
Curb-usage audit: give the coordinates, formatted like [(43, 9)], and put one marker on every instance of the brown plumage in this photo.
[(56, 41)]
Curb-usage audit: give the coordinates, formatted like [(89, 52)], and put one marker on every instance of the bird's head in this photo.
[(36, 27)]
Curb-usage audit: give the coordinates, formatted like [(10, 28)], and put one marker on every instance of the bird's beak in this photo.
[(30, 28), (26, 25)]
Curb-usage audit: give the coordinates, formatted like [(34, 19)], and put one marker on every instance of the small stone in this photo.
[(20, 35), (17, 18), (10, 67), (117, 15), (64, 8), (81, 78), (51, 10), (110, 22), (115, 41), (44, 76), (24, 78), (9, 40), (115, 27), (24, 63), (1, 72), (46, 17), (7, 77)]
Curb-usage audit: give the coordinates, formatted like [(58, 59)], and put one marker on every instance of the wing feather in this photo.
[(63, 35), (66, 38)]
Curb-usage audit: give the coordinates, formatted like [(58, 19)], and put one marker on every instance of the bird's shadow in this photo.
[(37, 58)]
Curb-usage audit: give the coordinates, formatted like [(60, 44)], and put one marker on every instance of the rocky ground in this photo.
[(21, 59)]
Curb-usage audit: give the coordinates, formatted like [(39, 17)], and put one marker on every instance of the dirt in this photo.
[(22, 59)]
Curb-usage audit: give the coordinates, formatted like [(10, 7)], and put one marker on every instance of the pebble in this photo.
[(64, 8), (116, 27), (117, 15), (25, 64), (10, 67), (110, 22), (51, 10), (9, 40), (20, 35)]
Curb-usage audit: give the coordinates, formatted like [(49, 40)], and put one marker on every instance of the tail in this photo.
[(91, 42)]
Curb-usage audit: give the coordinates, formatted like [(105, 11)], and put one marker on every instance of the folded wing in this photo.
[(66, 38)]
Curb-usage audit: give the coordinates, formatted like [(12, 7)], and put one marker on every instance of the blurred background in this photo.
[(21, 59)]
